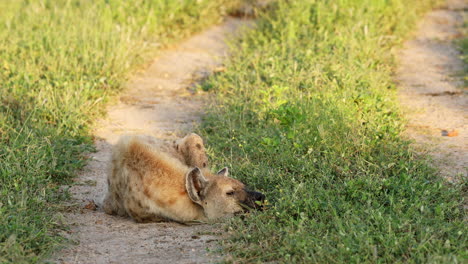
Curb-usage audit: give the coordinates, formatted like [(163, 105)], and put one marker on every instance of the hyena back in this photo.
[(190, 149)]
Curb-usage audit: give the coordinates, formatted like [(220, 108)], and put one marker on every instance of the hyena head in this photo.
[(193, 150), (220, 195)]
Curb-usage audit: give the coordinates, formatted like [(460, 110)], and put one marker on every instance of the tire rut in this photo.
[(433, 93)]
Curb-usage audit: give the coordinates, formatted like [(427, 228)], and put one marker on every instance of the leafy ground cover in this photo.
[(307, 112), (59, 63)]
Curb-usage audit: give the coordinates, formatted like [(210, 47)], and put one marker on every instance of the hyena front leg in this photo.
[(112, 206)]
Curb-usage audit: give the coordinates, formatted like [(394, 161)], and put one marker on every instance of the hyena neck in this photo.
[(193, 212)]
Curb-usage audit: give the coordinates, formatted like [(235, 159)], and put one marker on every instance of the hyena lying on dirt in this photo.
[(152, 185), (190, 149)]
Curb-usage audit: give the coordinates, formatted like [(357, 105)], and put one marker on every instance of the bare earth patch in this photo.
[(432, 91), (156, 103)]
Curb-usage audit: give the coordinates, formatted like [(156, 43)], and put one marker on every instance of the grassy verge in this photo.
[(307, 112), (59, 62)]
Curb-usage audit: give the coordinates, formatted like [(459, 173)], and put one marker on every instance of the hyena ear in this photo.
[(223, 172), (195, 182)]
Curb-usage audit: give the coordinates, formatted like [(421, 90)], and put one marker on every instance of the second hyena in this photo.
[(190, 149)]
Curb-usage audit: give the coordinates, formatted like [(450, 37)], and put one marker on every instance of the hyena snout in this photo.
[(254, 200)]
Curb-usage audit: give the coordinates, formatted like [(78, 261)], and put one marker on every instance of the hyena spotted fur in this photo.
[(150, 183), (190, 149)]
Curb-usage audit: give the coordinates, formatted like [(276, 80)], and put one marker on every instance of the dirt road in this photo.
[(432, 90)]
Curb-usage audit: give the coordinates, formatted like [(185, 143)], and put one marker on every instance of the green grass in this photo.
[(307, 113), (463, 47), (60, 61)]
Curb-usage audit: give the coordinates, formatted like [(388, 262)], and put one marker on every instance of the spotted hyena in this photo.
[(150, 184), (190, 149)]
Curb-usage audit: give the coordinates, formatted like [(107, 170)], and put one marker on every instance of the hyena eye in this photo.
[(230, 193)]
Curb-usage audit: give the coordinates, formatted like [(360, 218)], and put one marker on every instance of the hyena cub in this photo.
[(150, 184), (190, 149)]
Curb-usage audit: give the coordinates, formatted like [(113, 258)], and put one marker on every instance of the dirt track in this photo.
[(432, 92), (155, 103)]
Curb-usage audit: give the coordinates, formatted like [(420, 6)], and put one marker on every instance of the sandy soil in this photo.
[(432, 90), (158, 103)]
